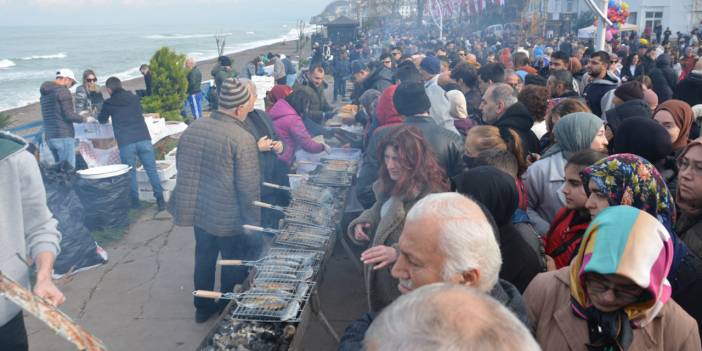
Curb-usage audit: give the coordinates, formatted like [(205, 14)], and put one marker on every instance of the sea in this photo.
[(30, 56)]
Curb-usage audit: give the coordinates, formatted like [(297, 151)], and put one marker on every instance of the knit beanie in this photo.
[(629, 91), (233, 94), (431, 65), (411, 99)]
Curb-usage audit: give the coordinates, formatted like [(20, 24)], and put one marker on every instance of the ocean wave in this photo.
[(183, 36), (5, 63), (250, 33), (60, 55)]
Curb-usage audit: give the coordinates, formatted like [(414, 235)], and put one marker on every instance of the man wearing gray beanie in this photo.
[(219, 178)]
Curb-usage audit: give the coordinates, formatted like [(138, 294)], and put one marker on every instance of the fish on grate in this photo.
[(302, 212), (298, 235), (332, 178)]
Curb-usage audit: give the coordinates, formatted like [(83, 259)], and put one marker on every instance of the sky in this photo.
[(96, 12)]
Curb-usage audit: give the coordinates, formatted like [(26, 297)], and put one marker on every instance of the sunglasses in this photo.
[(387, 62), (396, 53), (91, 80)]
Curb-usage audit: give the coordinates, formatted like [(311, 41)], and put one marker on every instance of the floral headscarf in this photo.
[(631, 243), (631, 180)]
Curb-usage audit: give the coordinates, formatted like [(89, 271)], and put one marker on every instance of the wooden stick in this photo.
[(50, 315)]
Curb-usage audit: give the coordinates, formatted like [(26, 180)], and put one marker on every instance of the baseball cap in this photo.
[(66, 73)]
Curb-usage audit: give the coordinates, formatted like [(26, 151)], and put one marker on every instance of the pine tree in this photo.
[(169, 84)]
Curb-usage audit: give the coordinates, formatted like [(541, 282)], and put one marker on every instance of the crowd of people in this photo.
[(516, 195)]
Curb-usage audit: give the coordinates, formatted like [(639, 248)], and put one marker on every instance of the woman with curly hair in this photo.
[(409, 171)]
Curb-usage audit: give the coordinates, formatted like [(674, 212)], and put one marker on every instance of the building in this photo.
[(679, 15)]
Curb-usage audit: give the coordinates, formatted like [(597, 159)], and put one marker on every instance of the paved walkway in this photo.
[(141, 299)]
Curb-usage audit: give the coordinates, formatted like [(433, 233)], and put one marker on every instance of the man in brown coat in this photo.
[(218, 179)]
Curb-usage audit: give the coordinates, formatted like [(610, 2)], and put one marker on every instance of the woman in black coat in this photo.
[(522, 250)]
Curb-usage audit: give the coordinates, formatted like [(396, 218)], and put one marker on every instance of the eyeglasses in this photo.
[(461, 54), (91, 80), (599, 287), (396, 53), (694, 166)]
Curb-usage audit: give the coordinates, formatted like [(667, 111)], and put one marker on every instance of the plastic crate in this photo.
[(166, 170)]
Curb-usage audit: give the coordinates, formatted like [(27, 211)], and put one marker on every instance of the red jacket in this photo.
[(564, 237), (385, 110)]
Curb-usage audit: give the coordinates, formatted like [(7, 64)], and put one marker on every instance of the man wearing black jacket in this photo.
[(194, 89), (501, 109), (132, 137), (59, 115), (411, 101)]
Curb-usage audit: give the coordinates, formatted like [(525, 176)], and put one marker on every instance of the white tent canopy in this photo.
[(589, 32)]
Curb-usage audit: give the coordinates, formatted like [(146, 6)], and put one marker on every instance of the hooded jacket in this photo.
[(594, 91), (292, 132), (27, 227), (663, 78), (220, 74), (517, 117), (690, 89), (58, 111), (127, 118)]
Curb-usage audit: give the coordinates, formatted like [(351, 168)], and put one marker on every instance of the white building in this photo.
[(679, 15)]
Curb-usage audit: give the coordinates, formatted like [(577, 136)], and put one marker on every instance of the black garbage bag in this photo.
[(107, 201), (79, 251)]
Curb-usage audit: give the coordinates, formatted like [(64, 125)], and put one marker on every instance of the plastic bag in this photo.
[(106, 201), (79, 251)]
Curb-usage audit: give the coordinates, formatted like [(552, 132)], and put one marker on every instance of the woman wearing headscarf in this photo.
[(626, 179), (614, 295), (522, 250), (409, 171), (676, 117), (574, 132), (689, 196), (279, 92)]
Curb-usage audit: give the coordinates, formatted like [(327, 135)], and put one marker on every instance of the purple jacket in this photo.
[(291, 131)]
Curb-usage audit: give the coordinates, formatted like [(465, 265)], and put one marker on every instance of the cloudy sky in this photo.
[(53, 12)]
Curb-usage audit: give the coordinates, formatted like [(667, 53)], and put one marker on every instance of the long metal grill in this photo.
[(331, 178), (282, 263)]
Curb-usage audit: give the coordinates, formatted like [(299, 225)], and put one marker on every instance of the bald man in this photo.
[(447, 237), (444, 316), (194, 99)]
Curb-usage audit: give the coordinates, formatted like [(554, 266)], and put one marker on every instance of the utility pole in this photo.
[(600, 12)]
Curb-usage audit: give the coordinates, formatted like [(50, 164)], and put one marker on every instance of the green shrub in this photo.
[(5, 121), (169, 84)]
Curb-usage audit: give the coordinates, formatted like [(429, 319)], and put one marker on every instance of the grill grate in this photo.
[(303, 236), (332, 178), (264, 305)]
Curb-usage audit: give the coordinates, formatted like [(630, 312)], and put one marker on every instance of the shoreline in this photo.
[(32, 112)]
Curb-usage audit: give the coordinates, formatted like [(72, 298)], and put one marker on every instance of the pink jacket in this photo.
[(291, 131)]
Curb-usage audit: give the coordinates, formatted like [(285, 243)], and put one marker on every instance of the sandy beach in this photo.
[(32, 112)]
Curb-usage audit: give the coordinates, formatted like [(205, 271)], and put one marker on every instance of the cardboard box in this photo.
[(166, 170), (155, 125)]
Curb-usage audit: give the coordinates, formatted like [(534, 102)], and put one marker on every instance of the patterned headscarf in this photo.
[(631, 243), (631, 180)]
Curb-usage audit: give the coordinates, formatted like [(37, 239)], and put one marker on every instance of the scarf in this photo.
[(574, 132), (683, 117), (631, 243), (631, 180)]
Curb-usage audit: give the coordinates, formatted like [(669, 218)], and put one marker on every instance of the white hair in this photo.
[(466, 238), (418, 321)]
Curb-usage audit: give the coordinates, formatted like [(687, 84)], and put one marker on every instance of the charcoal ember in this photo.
[(234, 335)]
